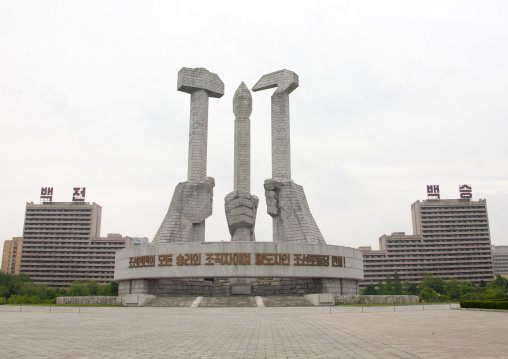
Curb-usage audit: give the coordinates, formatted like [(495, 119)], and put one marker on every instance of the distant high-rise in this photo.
[(12, 255), (62, 244), (500, 259), (451, 239)]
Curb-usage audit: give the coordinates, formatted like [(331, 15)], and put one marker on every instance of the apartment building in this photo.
[(62, 244), (451, 239), (500, 259), (11, 256)]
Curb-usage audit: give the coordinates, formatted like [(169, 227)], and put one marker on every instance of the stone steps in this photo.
[(171, 302), (231, 301), (289, 301)]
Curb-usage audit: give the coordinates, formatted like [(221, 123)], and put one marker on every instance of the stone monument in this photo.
[(180, 263), (241, 206), (192, 200), (286, 201)]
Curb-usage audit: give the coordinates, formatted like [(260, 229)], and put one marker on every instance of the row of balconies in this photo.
[(459, 216), (423, 247), (449, 271), (52, 271), (56, 221), (37, 229), (77, 233), (75, 244), (67, 251), (38, 224), (448, 256), (42, 238), (444, 250), (56, 216), (69, 269), (459, 221), (429, 265), (63, 248), (452, 209), (451, 237), (447, 208), (455, 230), (77, 261)]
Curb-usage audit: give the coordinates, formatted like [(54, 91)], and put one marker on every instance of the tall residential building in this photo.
[(451, 239), (500, 259), (11, 257), (62, 244)]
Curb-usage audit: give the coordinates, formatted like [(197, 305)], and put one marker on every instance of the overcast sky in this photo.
[(393, 96)]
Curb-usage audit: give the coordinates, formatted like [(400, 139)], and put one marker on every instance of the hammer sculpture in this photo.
[(241, 206), (286, 201), (192, 200)]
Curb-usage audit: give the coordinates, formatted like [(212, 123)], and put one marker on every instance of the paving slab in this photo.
[(271, 332)]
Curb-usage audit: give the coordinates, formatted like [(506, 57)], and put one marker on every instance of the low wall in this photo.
[(376, 299), (90, 300)]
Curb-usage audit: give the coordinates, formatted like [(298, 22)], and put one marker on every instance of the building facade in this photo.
[(397, 252), (136, 241), (451, 239), (500, 259), (62, 244), (11, 256)]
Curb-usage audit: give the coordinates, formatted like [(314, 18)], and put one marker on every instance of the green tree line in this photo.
[(435, 289), (21, 289)]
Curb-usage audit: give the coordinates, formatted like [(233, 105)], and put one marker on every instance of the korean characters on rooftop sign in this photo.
[(46, 194), (433, 192), (79, 194), (465, 191)]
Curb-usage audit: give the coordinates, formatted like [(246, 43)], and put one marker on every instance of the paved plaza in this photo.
[(309, 332)]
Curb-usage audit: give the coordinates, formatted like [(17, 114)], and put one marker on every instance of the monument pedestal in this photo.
[(238, 268)]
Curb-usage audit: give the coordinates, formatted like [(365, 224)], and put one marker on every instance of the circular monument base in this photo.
[(238, 268)]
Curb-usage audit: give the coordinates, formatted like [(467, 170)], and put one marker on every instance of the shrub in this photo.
[(484, 304), (3, 301), (16, 299), (428, 295)]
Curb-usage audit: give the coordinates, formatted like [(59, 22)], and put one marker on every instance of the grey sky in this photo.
[(393, 96)]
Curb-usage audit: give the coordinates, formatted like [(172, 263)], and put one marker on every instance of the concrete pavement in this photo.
[(307, 332)]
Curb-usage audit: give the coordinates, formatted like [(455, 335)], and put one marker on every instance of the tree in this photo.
[(4, 291), (93, 287), (114, 289), (78, 289), (436, 283), (410, 288), (452, 288), (20, 284), (397, 286), (380, 288), (104, 290), (388, 285), (41, 291), (370, 290), (500, 282), (467, 291), (428, 295)]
